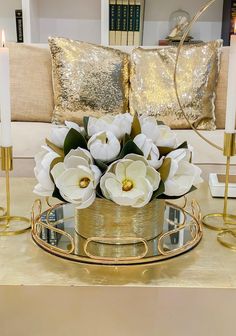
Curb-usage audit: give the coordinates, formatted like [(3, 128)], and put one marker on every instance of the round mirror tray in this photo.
[(54, 231)]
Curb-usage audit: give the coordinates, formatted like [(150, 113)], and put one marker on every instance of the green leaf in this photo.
[(73, 140), (56, 194), (99, 192), (136, 127), (85, 122), (164, 170), (125, 139), (55, 148), (159, 123), (176, 197), (183, 145), (55, 161), (101, 165), (159, 191), (129, 148), (165, 150)]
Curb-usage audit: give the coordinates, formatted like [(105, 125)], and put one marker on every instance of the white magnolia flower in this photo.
[(130, 182), (43, 160), (149, 149), (161, 135), (183, 175), (119, 125), (77, 185), (166, 137), (77, 178), (104, 146), (59, 132)]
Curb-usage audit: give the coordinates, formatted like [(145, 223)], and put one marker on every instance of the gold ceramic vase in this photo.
[(105, 219), (107, 231)]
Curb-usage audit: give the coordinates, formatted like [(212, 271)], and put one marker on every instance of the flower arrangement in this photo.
[(129, 160)]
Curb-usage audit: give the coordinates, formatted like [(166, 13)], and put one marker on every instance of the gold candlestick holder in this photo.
[(225, 222), (10, 225)]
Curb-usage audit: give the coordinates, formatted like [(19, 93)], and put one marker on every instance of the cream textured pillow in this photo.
[(30, 83), (87, 80), (221, 90), (152, 84)]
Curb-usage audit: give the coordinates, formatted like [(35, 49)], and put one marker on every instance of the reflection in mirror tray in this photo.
[(54, 231)]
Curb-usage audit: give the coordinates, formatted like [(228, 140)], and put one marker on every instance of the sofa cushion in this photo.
[(221, 90), (152, 86), (88, 80), (24, 59), (31, 83)]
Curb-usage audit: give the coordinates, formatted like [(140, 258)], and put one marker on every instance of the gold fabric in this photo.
[(30, 83), (88, 80), (152, 85)]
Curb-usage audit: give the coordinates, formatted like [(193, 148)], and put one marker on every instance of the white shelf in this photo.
[(88, 20), (104, 22)]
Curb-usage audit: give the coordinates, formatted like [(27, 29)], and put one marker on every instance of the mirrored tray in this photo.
[(53, 230)]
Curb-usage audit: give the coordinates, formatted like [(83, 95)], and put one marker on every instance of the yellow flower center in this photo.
[(127, 185), (84, 182)]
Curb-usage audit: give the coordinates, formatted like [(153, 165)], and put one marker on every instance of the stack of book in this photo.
[(233, 17), (126, 22)]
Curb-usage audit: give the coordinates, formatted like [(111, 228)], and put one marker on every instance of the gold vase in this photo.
[(109, 231), (108, 220)]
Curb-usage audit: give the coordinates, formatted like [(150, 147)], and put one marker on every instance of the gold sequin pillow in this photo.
[(87, 80), (152, 85)]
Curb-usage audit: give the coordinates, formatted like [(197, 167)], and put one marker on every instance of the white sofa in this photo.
[(29, 136)]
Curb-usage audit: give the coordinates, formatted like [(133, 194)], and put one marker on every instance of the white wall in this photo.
[(78, 20), (7, 17)]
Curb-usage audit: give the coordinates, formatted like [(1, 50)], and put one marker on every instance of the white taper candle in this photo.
[(5, 104), (231, 91)]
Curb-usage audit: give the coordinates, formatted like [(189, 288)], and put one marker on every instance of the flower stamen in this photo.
[(127, 185), (84, 182)]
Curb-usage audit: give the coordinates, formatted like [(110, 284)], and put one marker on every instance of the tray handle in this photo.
[(38, 224), (195, 230), (120, 241)]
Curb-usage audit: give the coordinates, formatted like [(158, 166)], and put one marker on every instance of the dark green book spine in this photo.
[(131, 18), (112, 17), (125, 18), (119, 17), (137, 10)]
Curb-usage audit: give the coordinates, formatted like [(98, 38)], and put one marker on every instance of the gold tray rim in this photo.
[(142, 261)]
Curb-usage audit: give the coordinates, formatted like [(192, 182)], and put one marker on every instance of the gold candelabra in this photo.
[(223, 222), (8, 223)]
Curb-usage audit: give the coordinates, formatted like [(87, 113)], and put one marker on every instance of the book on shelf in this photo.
[(126, 22), (138, 22), (131, 13), (112, 22), (119, 18), (124, 25), (48, 235), (19, 26)]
